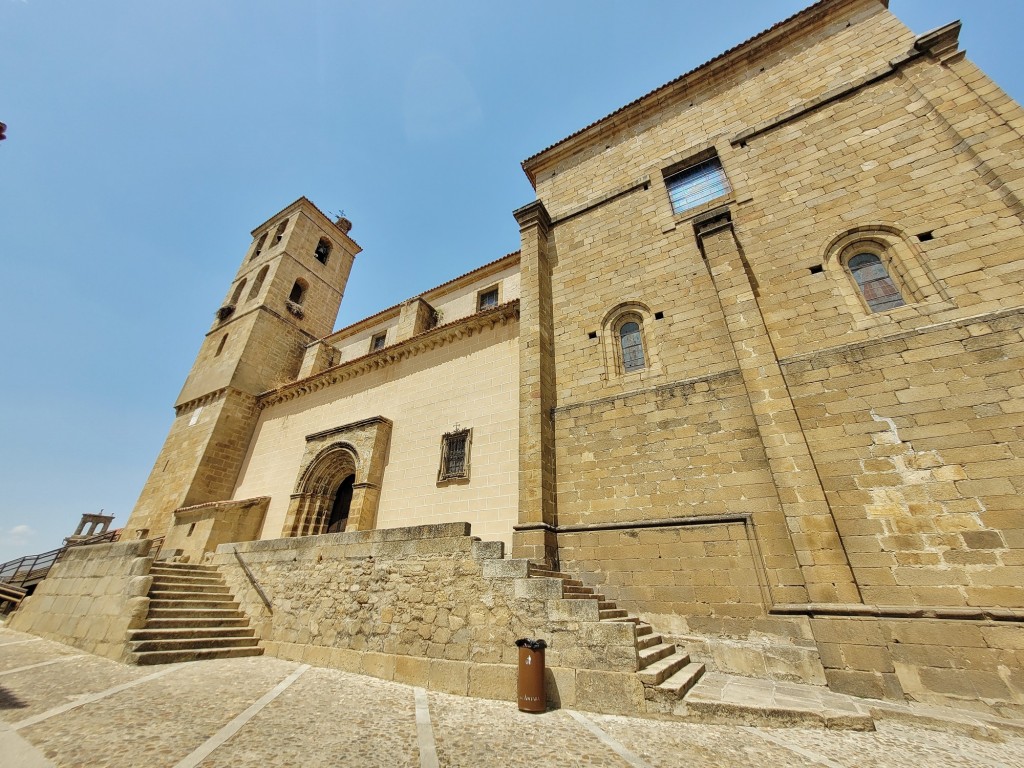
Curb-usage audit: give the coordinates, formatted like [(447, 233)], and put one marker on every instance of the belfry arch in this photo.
[(339, 480)]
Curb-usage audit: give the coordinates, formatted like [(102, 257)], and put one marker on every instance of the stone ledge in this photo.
[(376, 536)]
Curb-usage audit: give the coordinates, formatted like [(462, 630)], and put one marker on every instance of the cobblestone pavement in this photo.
[(60, 707)]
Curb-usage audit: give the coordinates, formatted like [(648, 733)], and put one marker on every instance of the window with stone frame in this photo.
[(455, 447), (876, 285), (378, 340), (487, 299), (696, 184), (631, 345)]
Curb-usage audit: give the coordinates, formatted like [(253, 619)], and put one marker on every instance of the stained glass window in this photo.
[(879, 290)]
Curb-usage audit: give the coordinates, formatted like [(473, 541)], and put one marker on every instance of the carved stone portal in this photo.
[(357, 451)]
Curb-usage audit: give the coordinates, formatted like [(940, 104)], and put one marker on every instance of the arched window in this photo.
[(631, 343), (259, 246), (258, 284), (323, 250), (298, 292), (279, 234), (238, 292), (876, 286)]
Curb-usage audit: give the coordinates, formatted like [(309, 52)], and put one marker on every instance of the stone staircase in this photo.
[(666, 672), (192, 616)]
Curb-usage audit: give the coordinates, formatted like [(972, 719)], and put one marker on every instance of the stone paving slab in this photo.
[(328, 718), (262, 711), (15, 652), (42, 688), (473, 732), (661, 744), (162, 721)]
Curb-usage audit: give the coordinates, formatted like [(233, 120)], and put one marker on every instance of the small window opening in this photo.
[(257, 284), (817, 269), (454, 455), (487, 299), (659, 315), (259, 246), (323, 250), (378, 341), (191, 529), (592, 335), (220, 347), (632, 344), (238, 292), (697, 185), (924, 237), (279, 234), (879, 290), (298, 292)]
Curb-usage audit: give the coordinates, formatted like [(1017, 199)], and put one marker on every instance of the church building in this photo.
[(755, 374)]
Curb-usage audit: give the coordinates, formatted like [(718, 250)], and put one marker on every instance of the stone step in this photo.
[(606, 604), (577, 589), (191, 643), (628, 619), (546, 572), (195, 654), (165, 588), (181, 612), (654, 653), (677, 685), (192, 597), (197, 622), (648, 639), (643, 628), (578, 596), (195, 601), (180, 567), (663, 669), (189, 633), (186, 580), (192, 605), (612, 613)]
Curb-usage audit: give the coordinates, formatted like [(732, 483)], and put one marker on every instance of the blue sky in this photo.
[(145, 141)]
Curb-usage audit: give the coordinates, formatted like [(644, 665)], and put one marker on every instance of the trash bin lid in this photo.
[(533, 645)]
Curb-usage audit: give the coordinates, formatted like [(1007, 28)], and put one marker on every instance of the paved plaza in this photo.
[(61, 707)]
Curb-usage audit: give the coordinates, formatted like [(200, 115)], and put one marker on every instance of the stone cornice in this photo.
[(436, 337), (190, 405), (373, 420)]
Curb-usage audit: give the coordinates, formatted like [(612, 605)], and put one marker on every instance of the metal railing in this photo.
[(252, 580), (30, 570)]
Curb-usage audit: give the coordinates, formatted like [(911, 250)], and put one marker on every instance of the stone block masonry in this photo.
[(431, 606), (91, 598)]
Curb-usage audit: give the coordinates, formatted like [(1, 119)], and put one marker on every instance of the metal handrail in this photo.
[(34, 568), (252, 580)]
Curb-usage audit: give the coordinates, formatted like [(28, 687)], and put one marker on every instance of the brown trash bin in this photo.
[(532, 697)]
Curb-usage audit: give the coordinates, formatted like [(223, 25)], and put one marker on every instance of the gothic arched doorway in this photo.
[(323, 496), (341, 506)]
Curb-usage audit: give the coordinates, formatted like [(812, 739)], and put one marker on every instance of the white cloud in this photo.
[(19, 534)]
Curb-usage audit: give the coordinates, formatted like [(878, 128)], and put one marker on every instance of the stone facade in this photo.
[(780, 461)]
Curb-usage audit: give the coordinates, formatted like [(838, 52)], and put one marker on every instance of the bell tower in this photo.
[(285, 295)]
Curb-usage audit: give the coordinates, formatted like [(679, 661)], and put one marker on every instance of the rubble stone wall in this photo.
[(430, 606)]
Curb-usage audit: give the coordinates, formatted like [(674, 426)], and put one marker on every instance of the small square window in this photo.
[(455, 455), (487, 299), (378, 341), (696, 185)]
